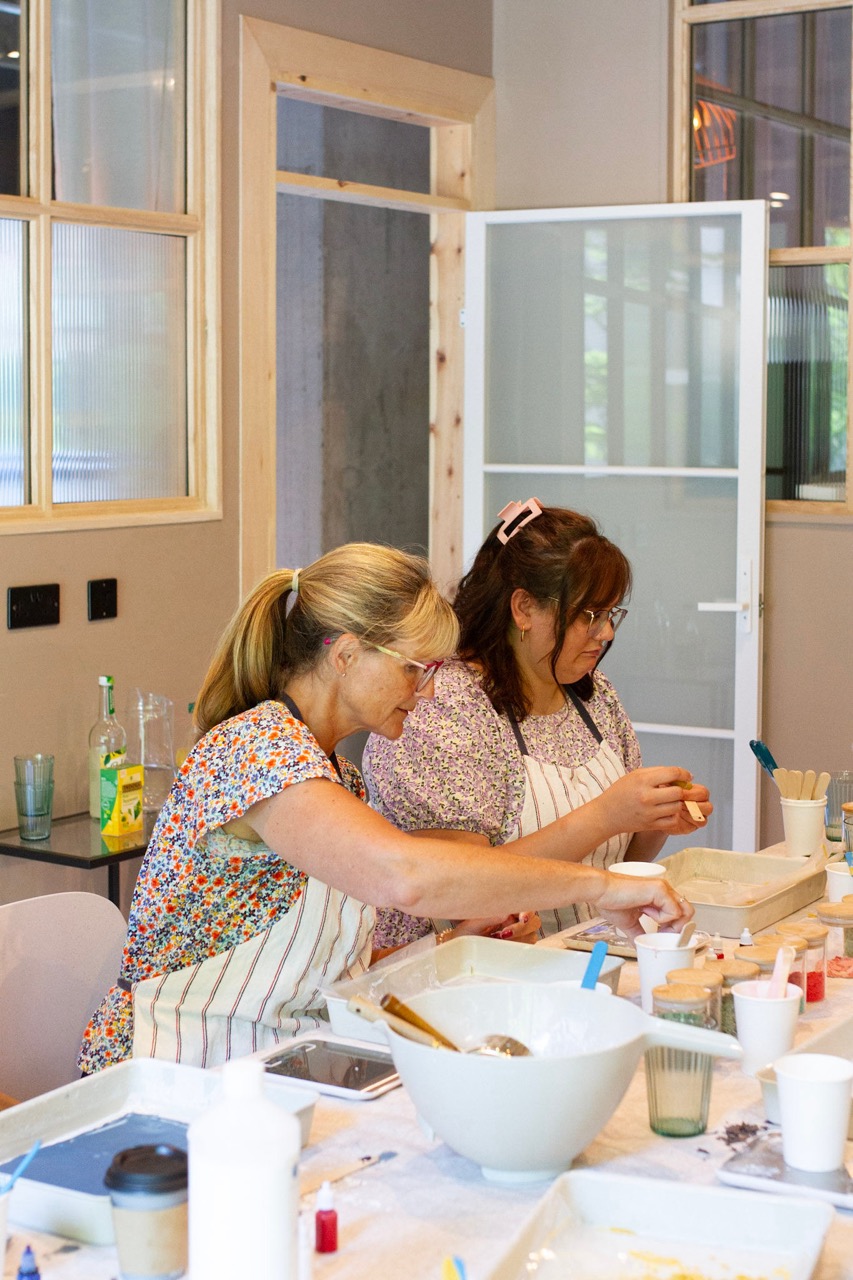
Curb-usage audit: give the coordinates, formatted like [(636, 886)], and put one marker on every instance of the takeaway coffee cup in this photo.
[(814, 1105), (148, 1192)]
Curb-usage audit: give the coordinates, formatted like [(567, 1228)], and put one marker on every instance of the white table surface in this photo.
[(401, 1218)]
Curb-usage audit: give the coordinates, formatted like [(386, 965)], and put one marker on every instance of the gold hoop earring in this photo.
[(523, 634)]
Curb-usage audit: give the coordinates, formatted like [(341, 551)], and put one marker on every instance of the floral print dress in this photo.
[(228, 945)]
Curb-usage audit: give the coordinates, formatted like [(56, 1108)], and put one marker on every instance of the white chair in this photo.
[(59, 954)]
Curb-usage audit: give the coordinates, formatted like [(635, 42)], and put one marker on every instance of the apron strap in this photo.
[(579, 706), (583, 712), (297, 714)]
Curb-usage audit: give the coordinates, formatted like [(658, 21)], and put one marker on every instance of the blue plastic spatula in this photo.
[(593, 966)]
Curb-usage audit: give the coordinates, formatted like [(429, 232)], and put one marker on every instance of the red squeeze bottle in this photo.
[(326, 1222)]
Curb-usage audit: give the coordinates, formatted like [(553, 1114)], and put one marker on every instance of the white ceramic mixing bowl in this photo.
[(527, 1118)]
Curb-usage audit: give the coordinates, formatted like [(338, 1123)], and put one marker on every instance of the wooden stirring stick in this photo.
[(780, 777), (808, 784), (820, 787)]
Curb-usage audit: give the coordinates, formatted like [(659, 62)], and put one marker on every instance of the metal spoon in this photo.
[(495, 1046)]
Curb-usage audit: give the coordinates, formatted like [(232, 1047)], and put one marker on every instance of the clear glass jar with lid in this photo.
[(815, 935), (678, 1081), (703, 977), (847, 826), (731, 971), (763, 953), (839, 915)]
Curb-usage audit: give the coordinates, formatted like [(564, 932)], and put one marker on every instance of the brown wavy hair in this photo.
[(566, 564), (377, 593)]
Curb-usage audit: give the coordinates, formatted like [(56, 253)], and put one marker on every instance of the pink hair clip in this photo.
[(515, 516)]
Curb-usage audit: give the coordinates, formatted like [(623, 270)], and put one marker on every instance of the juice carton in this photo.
[(121, 799)]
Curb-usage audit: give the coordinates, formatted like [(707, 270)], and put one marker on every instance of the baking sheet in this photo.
[(836, 1040), (735, 891), (142, 1087), (596, 1226), (455, 963)]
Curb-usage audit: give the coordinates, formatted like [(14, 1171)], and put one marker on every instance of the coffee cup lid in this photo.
[(149, 1169)]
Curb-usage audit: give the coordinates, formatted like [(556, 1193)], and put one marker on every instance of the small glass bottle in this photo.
[(710, 979), (678, 1081), (839, 915), (731, 971), (815, 935), (107, 744)]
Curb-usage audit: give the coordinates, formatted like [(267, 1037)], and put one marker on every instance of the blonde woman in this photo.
[(254, 891)]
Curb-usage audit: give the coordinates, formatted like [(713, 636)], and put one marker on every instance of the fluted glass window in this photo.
[(10, 99), (807, 382), (12, 386), (118, 90), (119, 367)]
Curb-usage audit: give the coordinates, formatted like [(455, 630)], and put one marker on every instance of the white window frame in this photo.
[(686, 16), (198, 226)]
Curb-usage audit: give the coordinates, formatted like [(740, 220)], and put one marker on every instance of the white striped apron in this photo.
[(257, 994), (552, 790)]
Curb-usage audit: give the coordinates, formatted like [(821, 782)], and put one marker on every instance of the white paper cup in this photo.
[(644, 870), (839, 881), (765, 1028), (5, 1197), (657, 954), (803, 821), (814, 1103)]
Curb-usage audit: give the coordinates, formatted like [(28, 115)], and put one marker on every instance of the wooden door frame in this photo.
[(458, 107)]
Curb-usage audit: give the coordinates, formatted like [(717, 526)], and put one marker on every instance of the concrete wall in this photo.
[(583, 119), (177, 584)]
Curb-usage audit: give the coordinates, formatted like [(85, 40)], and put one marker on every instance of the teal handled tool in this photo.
[(762, 754), (593, 966)]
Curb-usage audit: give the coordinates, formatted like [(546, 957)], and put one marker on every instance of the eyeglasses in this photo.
[(599, 618), (427, 669)]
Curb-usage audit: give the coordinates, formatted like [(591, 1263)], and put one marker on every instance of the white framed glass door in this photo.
[(615, 363)]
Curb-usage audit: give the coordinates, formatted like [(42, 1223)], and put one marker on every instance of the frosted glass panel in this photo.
[(11, 37), (119, 103), (679, 536), (711, 761), (12, 338), (119, 380), (618, 340)]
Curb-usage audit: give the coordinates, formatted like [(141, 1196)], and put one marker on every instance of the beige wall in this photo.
[(177, 584), (582, 119)]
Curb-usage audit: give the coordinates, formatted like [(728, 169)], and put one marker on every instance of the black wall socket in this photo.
[(32, 606), (103, 599)]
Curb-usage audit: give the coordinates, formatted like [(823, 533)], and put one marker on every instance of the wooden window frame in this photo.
[(458, 107), (199, 226), (687, 16)]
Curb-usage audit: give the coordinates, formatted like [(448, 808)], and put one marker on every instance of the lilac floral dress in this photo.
[(458, 766)]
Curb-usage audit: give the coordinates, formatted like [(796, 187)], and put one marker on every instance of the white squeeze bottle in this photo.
[(107, 744), (243, 1183)]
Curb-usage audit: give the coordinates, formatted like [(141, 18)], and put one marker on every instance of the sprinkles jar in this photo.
[(815, 935)]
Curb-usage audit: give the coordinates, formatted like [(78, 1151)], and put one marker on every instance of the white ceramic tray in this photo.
[(761, 888), (455, 963), (597, 1226), (141, 1086), (836, 1040)]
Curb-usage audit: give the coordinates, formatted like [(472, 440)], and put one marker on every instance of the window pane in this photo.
[(12, 383), (119, 365), (771, 120), (10, 100), (599, 333), (119, 92), (331, 142), (807, 382)]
